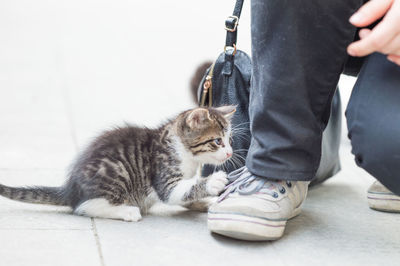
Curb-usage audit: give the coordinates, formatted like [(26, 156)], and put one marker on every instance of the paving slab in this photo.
[(48, 248), (182, 239)]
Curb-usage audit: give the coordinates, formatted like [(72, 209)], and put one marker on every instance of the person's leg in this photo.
[(298, 52), (373, 119)]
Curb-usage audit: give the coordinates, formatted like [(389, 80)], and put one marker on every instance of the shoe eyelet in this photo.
[(289, 184), (282, 191), (275, 195)]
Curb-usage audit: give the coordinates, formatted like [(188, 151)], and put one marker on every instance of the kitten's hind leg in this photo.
[(101, 208)]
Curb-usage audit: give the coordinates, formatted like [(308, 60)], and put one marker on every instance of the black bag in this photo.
[(227, 82)]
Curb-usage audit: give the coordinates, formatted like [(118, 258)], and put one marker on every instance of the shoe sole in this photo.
[(385, 202), (243, 227)]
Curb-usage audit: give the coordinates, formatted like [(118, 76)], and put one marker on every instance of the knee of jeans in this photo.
[(376, 147), (377, 154)]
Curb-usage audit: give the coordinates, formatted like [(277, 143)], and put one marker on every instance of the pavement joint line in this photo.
[(96, 236)]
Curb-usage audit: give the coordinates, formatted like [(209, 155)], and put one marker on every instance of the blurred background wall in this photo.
[(65, 64), (92, 47)]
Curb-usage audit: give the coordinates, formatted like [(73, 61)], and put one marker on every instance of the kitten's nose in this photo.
[(228, 154)]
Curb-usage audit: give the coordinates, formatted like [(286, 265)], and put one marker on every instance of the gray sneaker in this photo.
[(382, 199), (254, 208)]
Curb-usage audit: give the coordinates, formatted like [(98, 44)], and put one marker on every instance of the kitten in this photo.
[(125, 171)]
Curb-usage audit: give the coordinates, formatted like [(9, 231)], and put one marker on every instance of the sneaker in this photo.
[(382, 199), (254, 208)]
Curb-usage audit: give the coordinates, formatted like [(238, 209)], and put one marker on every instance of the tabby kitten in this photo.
[(125, 171)]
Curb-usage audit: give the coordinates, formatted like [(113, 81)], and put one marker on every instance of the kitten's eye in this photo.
[(218, 141)]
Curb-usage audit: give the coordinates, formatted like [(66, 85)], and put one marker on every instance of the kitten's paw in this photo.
[(216, 183), (211, 201), (202, 205), (130, 214)]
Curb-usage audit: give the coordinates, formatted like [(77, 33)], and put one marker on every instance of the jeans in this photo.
[(298, 54)]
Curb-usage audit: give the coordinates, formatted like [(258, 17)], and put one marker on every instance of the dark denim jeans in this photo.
[(373, 120), (299, 52)]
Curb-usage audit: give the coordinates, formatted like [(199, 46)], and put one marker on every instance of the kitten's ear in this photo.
[(197, 116), (227, 111)]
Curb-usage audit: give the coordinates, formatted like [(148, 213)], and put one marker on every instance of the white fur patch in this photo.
[(150, 201), (163, 209), (189, 165), (216, 183), (181, 189), (101, 208)]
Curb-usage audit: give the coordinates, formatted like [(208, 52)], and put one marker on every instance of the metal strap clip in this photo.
[(235, 21), (226, 48)]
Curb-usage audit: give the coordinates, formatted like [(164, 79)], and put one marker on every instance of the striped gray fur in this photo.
[(126, 165)]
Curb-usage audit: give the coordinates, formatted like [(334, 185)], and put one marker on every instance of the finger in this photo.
[(394, 58), (370, 12), (364, 33), (393, 47), (383, 33)]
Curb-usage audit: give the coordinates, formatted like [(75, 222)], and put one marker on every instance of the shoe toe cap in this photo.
[(251, 206)]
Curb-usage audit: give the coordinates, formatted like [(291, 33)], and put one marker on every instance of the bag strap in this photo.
[(231, 25)]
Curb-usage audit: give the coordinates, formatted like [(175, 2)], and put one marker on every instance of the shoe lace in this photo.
[(245, 183)]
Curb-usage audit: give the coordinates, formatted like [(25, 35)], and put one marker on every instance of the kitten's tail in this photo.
[(40, 195)]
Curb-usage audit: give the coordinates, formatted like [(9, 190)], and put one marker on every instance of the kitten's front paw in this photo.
[(130, 214), (216, 183), (203, 204)]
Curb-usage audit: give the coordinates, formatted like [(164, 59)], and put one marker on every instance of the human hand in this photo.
[(384, 37)]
